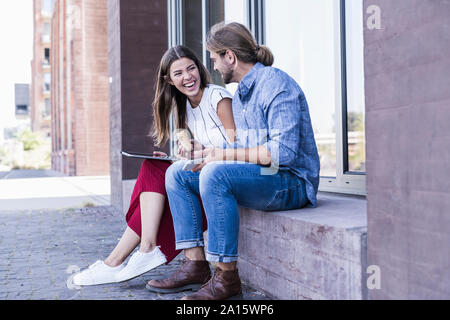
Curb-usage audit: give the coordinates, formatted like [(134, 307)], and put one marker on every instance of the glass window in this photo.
[(235, 11), (46, 56), (47, 81), (197, 18), (46, 29), (47, 107), (311, 44), (216, 14), (356, 155), (21, 109), (45, 36), (189, 22), (303, 46), (192, 26), (47, 7)]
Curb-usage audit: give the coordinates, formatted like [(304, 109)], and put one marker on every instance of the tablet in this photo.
[(147, 156)]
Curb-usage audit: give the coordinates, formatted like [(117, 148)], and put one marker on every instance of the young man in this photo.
[(273, 166)]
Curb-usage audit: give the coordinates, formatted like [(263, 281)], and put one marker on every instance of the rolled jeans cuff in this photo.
[(213, 257), (180, 245)]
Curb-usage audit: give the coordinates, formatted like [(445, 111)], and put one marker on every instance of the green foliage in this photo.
[(2, 153), (29, 139), (355, 121)]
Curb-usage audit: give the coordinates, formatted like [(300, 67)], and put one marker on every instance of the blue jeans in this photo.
[(223, 186)]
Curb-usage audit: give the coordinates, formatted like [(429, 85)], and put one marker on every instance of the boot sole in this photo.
[(192, 287)]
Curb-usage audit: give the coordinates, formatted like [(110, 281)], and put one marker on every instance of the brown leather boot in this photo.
[(191, 276), (223, 285)]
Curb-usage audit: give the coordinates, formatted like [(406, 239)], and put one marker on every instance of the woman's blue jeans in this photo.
[(223, 186)]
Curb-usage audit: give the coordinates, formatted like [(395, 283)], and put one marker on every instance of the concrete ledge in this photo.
[(311, 253)]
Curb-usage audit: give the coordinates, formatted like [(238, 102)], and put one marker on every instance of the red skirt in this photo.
[(151, 178)]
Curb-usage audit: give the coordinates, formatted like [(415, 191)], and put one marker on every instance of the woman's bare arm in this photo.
[(225, 113)]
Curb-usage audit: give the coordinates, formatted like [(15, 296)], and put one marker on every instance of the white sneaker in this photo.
[(141, 263), (98, 273)]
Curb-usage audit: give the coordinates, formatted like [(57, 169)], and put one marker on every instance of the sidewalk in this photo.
[(40, 249), (46, 189)]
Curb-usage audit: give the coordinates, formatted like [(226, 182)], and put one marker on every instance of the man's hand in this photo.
[(195, 152), (212, 154)]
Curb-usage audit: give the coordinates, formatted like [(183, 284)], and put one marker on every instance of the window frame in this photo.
[(256, 19), (175, 37), (345, 181)]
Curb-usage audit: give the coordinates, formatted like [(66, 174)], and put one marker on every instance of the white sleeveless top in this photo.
[(203, 120)]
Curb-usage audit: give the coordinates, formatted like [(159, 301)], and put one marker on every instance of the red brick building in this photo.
[(79, 101), (40, 68)]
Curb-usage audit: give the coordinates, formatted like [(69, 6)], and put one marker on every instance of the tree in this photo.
[(29, 139)]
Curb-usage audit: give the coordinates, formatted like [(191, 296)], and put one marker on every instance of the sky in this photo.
[(16, 36)]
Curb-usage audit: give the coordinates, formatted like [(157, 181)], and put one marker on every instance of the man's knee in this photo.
[(214, 174), (173, 175)]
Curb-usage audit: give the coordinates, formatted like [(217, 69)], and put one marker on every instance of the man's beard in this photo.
[(227, 76)]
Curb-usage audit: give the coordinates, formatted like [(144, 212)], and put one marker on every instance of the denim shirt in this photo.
[(270, 109)]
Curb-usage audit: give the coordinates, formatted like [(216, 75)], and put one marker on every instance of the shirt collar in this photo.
[(248, 81)]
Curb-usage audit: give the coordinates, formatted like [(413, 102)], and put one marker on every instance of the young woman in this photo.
[(183, 88)]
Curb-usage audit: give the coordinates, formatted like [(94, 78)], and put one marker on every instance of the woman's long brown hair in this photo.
[(168, 98)]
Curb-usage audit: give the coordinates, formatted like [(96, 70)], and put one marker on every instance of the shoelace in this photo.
[(139, 253), (175, 275), (134, 256), (211, 283)]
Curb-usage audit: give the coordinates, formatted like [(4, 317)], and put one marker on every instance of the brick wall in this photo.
[(80, 102), (58, 103), (54, 119), (90, 80), (407, 80), (37, 95)]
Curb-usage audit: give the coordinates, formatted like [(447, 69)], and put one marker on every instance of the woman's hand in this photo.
[(196, 150), (159, 154)]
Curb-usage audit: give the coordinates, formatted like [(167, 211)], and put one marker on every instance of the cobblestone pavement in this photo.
[(40, 250)]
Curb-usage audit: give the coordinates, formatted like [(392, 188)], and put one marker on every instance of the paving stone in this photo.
[(40, 250)]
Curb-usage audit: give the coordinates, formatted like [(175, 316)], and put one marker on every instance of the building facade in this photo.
[(40, 67), (79, 84), (375, 75)]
